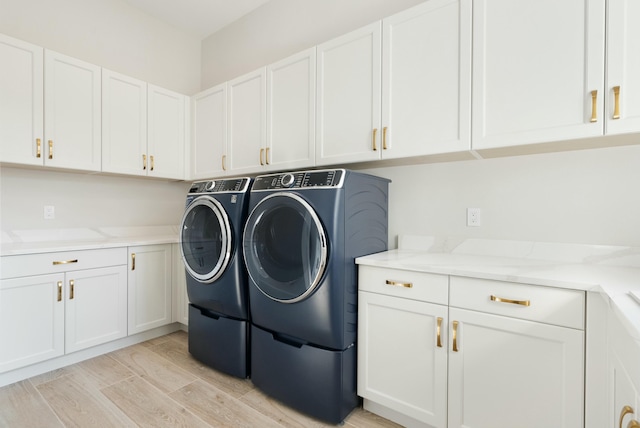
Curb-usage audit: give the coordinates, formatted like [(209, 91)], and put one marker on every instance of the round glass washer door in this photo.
[(205, 239), (285, 247)]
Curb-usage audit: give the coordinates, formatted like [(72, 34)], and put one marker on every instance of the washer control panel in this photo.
[(331, 178), (236, 185)]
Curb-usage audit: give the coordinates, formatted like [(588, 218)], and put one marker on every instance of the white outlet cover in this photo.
[(49, 212), (474, 217)]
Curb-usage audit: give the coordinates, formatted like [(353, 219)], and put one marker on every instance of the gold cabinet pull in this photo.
[(594, 105), (266, 157), (384, 138), (38, 148), (59, 291), (224, 159), (144, 162), (72, 285), (455, 336), (514, 302), (50, 149), (626, 410), (633, 424), (616, 108), (399, 284), (64, 262), (438, 332), (373, 139), (133, 261), (261, 156), (152, 162)]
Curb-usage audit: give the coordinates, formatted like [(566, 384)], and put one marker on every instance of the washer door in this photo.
[(205, 239), (285, 247)]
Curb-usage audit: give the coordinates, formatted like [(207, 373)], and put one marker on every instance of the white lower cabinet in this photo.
[(57, 303), (149, 287), (439, 351), (180, 297)]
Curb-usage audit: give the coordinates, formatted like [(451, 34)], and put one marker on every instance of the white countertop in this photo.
[(613, 272)]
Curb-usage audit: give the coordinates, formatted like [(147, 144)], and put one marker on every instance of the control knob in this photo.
[(287, 180), (210, 186)]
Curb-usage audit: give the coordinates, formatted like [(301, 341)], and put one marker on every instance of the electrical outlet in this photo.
[(49, 212), (474, 217)]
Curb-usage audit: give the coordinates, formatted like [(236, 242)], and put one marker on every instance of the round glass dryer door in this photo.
[(205, 239), (285, 247)]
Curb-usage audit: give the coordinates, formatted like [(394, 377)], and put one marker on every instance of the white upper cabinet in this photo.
[(291, 106), (426, 79), (538, 71), (209, 133), (623, 67), (247, 118), (124, 123), (72, 118), (166, 133), (348, 97), (21, 102)]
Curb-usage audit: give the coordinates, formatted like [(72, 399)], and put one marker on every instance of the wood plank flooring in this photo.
[(152, 384)]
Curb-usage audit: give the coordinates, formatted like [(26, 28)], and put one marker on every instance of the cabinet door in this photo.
[(426, 79), (535, 65), (291, 117), (402, 364), (247, 122), (149, 287), (31, 320), (21, 102), (166, 133), (180, 307), (209, 133), (623, 66), (96, 307), (624, 396), (72, 113), (124, 124), (505, 372), (348, 100)]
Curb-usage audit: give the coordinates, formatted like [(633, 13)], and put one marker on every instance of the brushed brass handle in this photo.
[(455, 336), (399, 284), (266, 158), (373, 139), (50, 149), (72, 285), (59, 291), (438, 331), (633, 424), (38, 148), (261, 156), (133, 261), (384, 138), (64, 262), (224, 159), (152, 162), (616, 108), (626, 410), (514, 302), (144, 162), (594, 105)]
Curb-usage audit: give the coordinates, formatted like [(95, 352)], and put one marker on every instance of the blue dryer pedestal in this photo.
[(316, 381)]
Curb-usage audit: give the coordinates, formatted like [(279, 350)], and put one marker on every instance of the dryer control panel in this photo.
[(331, 179), (236, 185)]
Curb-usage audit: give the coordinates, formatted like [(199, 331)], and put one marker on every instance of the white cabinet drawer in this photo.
[(549, 305), (426, 287), (45, 263)]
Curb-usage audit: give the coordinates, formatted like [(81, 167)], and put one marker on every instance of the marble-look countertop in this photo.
[(19, 242), (613, 272)]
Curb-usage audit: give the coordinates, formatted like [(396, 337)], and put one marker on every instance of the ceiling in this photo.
[(197, 17)]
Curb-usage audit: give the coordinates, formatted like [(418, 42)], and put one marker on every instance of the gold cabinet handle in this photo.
[(224, 159), (373, 139), (633, 424), (38, 148), (261, 156), (72, 285), (514, 302), (50, 149), (266, 157), (144, 162), (455, 336), (438, 332), (626, 410), (384, 138), (594, 105), (133, 261), (616, 108), (59, 291), (152, 162), (399, 284), (64, 262)]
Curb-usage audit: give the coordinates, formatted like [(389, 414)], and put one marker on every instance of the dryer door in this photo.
[(205, 239), (285, 247)]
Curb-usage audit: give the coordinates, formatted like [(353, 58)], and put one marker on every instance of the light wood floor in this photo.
[(152, 384)]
